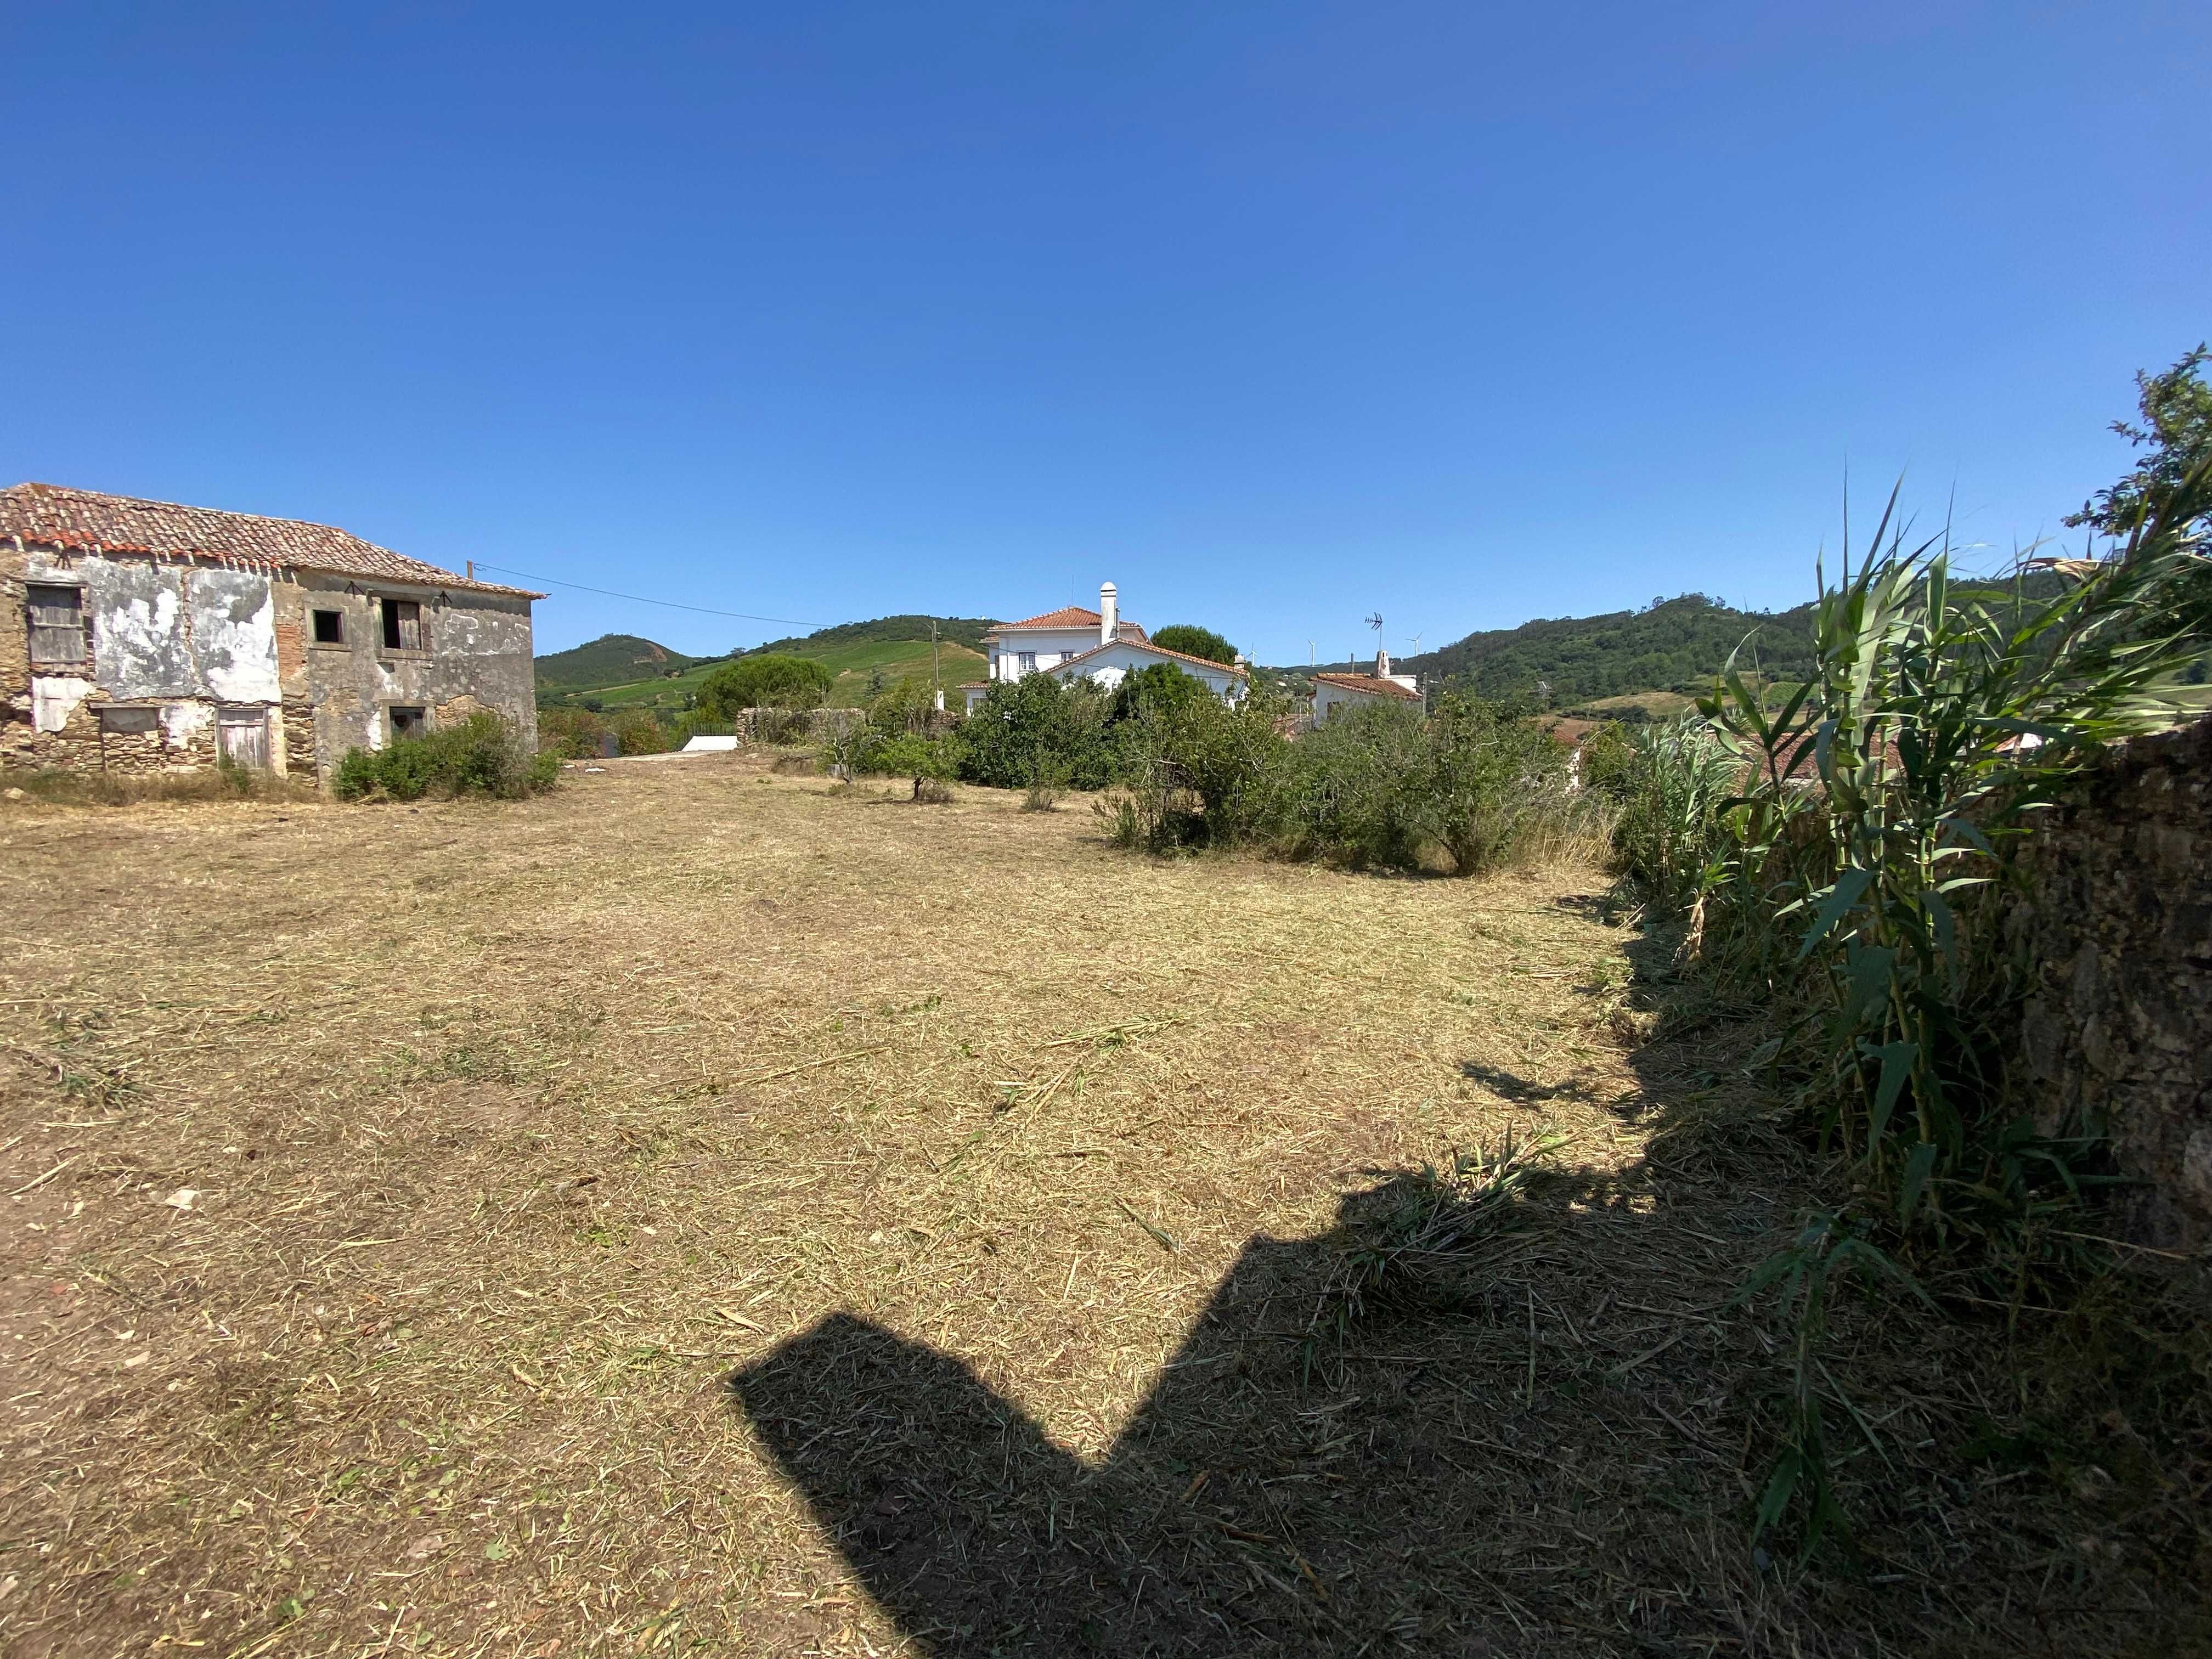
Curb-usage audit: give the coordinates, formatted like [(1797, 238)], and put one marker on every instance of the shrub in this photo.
[(1038, 726), (1199, 773), (1377, 786), (1672, 782), (930, 762), (1193, 642), (1354, 790), (771, 680), (1488, 780), (1162, 686), (571, 733), (483, 754), (639, 732)]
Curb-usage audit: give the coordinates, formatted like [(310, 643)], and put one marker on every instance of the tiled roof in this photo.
[(82, 519), (1071, 615), (1369, 685), (1157, 651)]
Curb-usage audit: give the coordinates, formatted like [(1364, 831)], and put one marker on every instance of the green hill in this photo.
[(611, 660), (1634, 663), (885, 630), (860, 654), (1677, 646)]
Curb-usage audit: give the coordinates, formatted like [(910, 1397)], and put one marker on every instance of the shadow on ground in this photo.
[(1462, 1469)]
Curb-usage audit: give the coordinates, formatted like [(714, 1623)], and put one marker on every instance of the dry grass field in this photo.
[(700, 1211)]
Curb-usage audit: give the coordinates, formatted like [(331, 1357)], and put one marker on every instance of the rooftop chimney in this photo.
[(1381, 665), (1108, 621)]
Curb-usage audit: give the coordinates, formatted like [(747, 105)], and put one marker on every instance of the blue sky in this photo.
[(1275, 315)]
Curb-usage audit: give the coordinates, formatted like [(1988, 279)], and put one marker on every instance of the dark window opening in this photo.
[(119, 721), (330, 628), (403, 625), (409, 722), (56, 623)]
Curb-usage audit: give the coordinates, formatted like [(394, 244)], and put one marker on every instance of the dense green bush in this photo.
[(571, 733), (639, 732), (767, 680), (1377, 786), (483, 756), (1039, 729), (1194, 642), (1161, 686)]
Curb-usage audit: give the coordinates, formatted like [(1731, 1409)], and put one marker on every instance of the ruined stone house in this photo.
[(146, 636)]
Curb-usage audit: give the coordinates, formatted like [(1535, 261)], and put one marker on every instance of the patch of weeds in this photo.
[(1419, 1222)]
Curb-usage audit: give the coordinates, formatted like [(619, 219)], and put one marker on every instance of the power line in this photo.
[(639, 599)]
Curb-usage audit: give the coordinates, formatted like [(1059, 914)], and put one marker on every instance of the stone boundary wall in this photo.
[(2117, 1031)]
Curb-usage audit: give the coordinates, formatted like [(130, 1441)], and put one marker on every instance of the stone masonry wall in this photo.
[(2118, 1031)]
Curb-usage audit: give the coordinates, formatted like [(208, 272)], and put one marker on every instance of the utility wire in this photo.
[(639, 599)]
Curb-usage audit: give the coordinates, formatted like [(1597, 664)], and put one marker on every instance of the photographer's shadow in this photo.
[(1244, 1509)]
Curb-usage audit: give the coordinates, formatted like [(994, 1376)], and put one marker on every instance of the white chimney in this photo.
[(1381, 665), (1106, 619)]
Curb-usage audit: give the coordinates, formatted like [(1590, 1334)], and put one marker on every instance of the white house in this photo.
[(1335, 691), (1097, 645)]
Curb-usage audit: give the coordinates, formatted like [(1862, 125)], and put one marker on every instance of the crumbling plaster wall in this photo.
[(178, 635), (477, 655), (2118, 1031)]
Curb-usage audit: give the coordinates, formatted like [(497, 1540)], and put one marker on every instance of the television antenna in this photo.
[(1375, 621)]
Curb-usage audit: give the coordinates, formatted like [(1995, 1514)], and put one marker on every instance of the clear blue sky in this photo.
[(1276, 315)]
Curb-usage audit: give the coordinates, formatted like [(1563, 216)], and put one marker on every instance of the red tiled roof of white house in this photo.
[(1370, 685), (48, 515), (1066, 618)]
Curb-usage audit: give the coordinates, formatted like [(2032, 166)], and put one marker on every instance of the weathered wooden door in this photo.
[(242, 737)]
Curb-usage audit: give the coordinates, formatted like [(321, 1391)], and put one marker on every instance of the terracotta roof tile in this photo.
[(55, 517), (1072, 616), (1370, 685)]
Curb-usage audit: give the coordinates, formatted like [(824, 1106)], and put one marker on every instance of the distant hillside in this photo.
[(862, 655), (1634, 658), (957, 630), (611, 660), (1677, 646)]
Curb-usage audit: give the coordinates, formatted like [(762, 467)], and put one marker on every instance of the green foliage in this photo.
[(571, 733), (1377, 786), (1672, 782), (1876, 808), (1039, 729), (1485, 779), (483, 756), (1194, 642), (901, 734), (769, 681), (2176, 429), (1160, 686), (639, 732)]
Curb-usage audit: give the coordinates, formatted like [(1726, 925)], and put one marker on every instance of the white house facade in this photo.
[(1076, 643), (1335, 691)]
